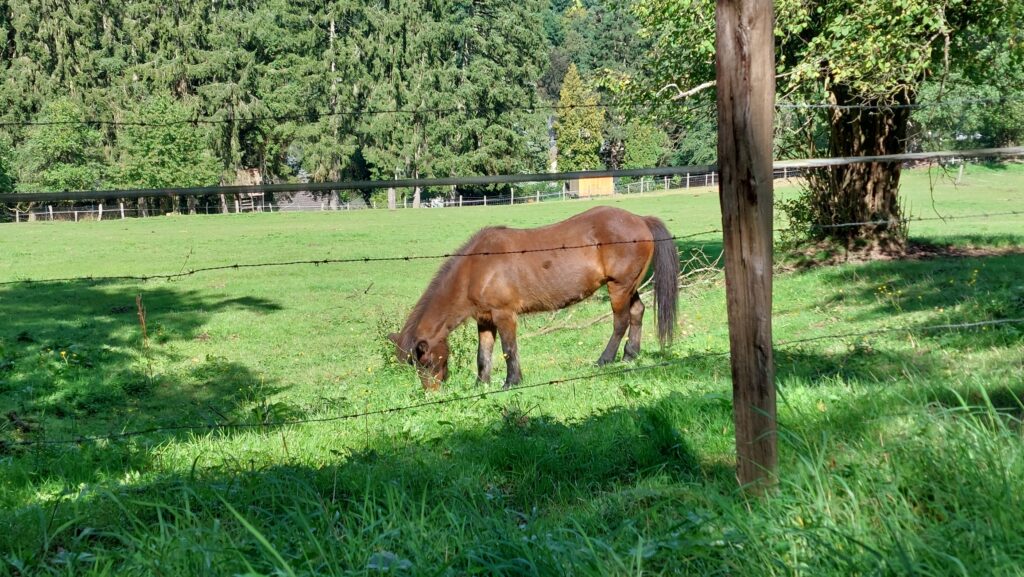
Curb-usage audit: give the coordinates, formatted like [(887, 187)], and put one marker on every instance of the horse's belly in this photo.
[(557, 291)]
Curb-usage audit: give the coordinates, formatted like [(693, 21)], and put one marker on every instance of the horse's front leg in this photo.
[(484, 350), (505, 321)]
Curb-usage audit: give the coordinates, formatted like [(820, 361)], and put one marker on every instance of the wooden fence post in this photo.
[(460, 201), (122, 209), (745, 69), (100, 212), (50, 209), (512, 198)]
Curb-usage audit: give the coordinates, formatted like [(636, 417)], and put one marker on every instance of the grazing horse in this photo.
[(503, 272)]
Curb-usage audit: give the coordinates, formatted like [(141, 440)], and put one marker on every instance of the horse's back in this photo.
[(556, 265)]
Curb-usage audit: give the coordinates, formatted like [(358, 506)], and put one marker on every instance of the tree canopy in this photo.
[(870, 60)]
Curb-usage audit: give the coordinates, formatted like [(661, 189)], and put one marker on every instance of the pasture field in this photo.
[(900, 452)]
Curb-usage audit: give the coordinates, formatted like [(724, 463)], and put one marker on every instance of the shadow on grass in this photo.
[(73, 363), (507, 473)]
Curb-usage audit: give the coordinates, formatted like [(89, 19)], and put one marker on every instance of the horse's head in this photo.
[(429, 358)]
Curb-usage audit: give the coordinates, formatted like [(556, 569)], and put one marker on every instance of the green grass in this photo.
[(900, 453)]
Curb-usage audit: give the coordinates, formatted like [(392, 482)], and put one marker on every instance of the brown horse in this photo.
[(503, 272)]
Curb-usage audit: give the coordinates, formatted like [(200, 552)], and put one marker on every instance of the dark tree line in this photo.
[(298, 89)]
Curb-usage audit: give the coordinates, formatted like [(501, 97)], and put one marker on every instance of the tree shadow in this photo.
[(510, 470), (940, 290), (74, 363)]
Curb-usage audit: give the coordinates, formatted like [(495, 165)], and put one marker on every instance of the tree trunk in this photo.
[(552, 145), (416, 190), (865, 193)]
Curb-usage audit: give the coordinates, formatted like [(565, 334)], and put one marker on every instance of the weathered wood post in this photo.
[(99, 215), (121, 206), (745, 70)]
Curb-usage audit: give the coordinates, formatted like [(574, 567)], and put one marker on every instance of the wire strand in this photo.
[(210, 427), (366, 259)]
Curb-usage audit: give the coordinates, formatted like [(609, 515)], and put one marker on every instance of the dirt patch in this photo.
[(824, 254)]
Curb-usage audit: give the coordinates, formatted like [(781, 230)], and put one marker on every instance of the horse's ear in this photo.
[(393, 337)]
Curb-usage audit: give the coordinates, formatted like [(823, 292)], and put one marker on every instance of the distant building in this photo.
[(587, 187)]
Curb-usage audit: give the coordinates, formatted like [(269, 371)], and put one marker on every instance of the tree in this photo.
[(580, 125), (646, 146), (869, 60), (60, 154), (461, 71), (162, 152), (6, 170)]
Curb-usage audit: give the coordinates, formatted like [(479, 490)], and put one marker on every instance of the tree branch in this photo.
[(681, 94)]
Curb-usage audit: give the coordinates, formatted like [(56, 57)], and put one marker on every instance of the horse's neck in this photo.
[(442, 310)]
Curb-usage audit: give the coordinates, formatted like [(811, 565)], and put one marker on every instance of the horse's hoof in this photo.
[(603, 361)]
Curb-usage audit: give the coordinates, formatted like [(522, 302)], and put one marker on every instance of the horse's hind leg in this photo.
[(505, 321), (636, 321), (620, 297), (485, 350)]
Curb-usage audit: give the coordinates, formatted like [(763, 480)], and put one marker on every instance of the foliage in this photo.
[(976, 116), (61, 155), (845, 53), (646, 145), (580, 125), (164, 153), (6, 169), (295, 86)]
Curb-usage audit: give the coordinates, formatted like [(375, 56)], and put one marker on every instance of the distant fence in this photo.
[(304, 201), (110, 204)]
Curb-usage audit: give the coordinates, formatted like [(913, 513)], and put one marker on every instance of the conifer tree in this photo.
[(580, 125)]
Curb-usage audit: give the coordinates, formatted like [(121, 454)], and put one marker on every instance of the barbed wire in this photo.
[(409, 258), (917, 219), (312, 117), (211, 427), (948, 326), (351, 260), (895, 106)]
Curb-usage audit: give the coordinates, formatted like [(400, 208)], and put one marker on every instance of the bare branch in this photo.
[(681, 94)]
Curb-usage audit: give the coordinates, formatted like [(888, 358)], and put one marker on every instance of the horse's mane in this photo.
[(407, 336)]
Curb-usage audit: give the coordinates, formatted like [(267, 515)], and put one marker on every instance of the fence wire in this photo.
[(528, 107), (410, 258), (352, 260), (213, 427)]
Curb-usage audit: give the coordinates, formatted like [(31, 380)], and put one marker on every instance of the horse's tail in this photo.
[(666, 278)]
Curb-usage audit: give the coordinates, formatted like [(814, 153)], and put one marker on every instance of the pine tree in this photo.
[(580, 125)]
